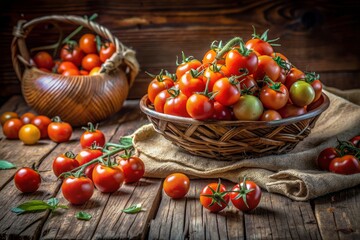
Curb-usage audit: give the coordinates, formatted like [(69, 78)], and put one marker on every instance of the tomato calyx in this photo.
[(127, 153), (91, 127), (346, 148), (216, 46), (264, 37), (310, 77), (161, 76), (244, 51), (217, 197), (56, 119), (243, 192), (195, 73), (272, 85), (184, 59), (70, 154), (282, 63)]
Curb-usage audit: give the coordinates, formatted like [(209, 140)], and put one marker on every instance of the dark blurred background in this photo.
[(321, 36)]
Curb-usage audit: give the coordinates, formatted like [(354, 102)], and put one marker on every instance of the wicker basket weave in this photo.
[(233, 140), (76, 99)]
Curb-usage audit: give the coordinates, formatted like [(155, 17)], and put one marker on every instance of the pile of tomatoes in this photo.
[(342, 159), (241, 81), (245, 195), (88, 169), (30, 128), (77, 58)]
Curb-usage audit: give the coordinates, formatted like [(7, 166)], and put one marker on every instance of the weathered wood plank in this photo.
[(338, 214), (187, 219), (278, 217)]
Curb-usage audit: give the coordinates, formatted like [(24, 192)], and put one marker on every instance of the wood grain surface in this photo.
[(335, 216), (318, 35)]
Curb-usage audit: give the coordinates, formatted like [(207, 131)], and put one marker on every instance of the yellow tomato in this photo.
[(95, 71), (29, 134)]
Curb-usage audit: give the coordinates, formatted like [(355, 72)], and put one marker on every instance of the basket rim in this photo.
[(286, 121)]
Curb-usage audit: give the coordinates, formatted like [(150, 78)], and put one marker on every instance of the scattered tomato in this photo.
[(176, 185), (29, 134), (42, 123), (64, 163), (77, 190), (27, 180), (12, 127), (59, 131), (27, 118), (107, 179), (214, 197), (245, 195), (325, 157), (347, 164), (91, 136), (8, 115), (133, 168)]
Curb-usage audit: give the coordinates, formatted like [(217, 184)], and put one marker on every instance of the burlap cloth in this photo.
[(294, 174)]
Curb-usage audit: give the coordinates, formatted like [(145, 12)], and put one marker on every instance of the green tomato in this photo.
[(302, 93), (248, 108)]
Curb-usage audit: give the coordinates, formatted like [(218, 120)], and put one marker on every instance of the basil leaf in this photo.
[(83, 216), (4, 165), (133, 209), (37, 206)]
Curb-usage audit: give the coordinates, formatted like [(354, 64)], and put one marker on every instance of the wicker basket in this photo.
[(234, 140), (76, 99)]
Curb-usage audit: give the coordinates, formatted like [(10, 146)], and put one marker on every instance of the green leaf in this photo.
[(83, 216), (133, 209), (126, 142), (53, 202), (6, 165), (37, 206)]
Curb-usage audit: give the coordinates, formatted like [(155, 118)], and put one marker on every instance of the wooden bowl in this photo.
[(76, 99), (234, 140)]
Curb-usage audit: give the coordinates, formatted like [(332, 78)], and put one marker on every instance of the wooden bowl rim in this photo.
[(257, 124)]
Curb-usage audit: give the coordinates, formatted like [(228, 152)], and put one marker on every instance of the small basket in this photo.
[(76, 99), (234, 140)]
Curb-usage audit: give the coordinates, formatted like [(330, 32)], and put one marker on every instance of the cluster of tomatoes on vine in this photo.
[(77, 58), (30, 128), (245, 195), (96, 165), (243, 81), (342, 159)]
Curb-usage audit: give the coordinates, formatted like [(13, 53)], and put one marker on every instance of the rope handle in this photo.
[(123, 57)]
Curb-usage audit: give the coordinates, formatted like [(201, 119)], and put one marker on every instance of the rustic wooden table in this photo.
[(335, 216)]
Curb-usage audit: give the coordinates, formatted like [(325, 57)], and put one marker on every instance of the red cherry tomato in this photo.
[(108, 179), (325, 157), (160, 100), (88, 154), (249, 84), (200, 107), (274, 96), (214, 73), (71, 72), (176, 104), (222, 112), (267, 67), (133, 168), (27, 180), (187, 64), (90, 61), (12, 127), (347, 164), (214, 197), (7, 116), (210, 56), (293, 76), (26, 118), (191, 82), (246, 195), (228, 92), (44, 60), (72, 53), (241, 60), (64, 163), (355, 141), (65, 66), (106, 51), (87, 43), (270, 115), (176, 185), (59, 131), (158, 84), (77, 190), (92, 136), (42, 123), (313, 79), (261, 44)]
